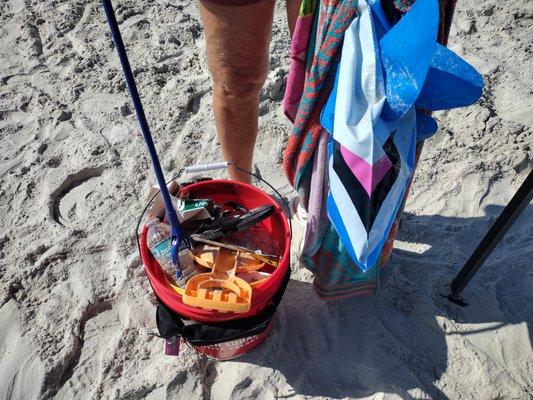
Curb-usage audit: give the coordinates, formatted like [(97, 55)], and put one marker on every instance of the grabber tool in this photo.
[(178, 236)]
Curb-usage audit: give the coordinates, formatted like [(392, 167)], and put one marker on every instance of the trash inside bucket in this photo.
[(223, 191)]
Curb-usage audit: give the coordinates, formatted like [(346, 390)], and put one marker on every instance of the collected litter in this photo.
[(227, 240)]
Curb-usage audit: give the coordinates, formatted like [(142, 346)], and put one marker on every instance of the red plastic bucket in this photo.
[(222, 191)]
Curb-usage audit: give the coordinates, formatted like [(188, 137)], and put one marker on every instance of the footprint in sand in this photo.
[(73, 202)]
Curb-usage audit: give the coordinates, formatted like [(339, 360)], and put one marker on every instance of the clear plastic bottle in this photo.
[(188, 268), (159, 242)]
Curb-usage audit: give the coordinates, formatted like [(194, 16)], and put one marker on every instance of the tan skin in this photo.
[(238, 39)]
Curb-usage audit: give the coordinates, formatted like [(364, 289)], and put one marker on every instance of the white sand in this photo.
[(77, 315)]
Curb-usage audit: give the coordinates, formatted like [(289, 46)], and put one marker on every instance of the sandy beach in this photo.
[(77, 316)]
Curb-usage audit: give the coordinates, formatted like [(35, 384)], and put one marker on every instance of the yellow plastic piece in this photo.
[(176, 288), (220, 289)]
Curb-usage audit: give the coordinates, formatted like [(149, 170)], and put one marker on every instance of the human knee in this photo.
[(239, 83)]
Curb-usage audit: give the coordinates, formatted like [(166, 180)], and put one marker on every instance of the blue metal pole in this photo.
[(132, 87)]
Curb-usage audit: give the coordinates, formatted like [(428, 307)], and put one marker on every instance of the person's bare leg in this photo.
[(237, 38), (293, 9)]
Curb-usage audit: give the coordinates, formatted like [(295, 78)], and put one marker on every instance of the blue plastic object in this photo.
[(425, 126), (406, 53), (327, 115), (177, 235), (418, 71), (451, 82)]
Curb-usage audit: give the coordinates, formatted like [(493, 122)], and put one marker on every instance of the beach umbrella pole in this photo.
[(500, 227), (132, 87)]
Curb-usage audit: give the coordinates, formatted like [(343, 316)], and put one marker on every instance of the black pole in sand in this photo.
[(506, 219)]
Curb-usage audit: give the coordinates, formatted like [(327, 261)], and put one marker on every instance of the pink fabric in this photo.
[(368, 175), (296, 77), (318, 222)]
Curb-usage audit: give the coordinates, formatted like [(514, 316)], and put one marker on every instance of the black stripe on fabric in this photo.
[(384, 186), (367, 207), (353, 187)]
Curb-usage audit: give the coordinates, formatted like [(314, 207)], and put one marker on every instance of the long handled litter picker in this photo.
[(177, 235)]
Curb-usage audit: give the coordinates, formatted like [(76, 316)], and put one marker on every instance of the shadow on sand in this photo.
[(397, 342)]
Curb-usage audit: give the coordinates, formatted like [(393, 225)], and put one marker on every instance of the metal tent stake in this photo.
[(506, 219), (136, 100)]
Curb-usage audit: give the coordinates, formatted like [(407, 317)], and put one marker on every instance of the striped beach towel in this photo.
[(315, 52)]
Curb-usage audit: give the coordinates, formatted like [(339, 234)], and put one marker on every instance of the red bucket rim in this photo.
[(262, 294)]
